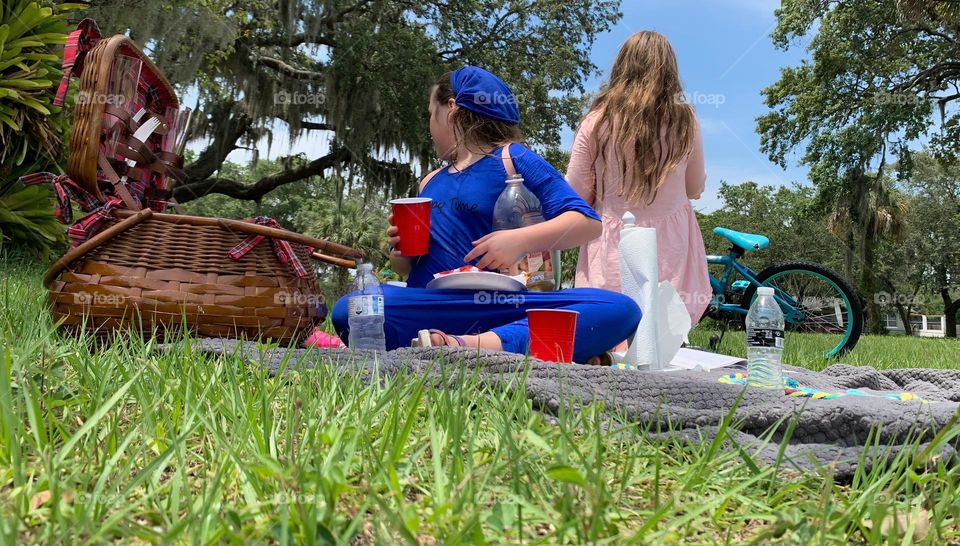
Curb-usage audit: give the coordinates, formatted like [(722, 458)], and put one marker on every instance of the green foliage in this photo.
[(358, 224), (931, 252), (311, 207), (934, 220), (361, 69), (786, 215), (31, 128), (881, 76), (26, 219), (294, 205)]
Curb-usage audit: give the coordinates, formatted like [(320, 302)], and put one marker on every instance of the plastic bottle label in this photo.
[(365, 305), (534, 262), (764, 337)]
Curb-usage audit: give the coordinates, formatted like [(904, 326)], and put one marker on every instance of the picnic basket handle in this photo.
[(291, 236), (327, 251), (342, 262), (94, 242)]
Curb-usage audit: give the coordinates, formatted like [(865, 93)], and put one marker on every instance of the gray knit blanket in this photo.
[(830, 435)]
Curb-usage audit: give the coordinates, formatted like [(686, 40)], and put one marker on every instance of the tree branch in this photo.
[(235, 125), (294, 40), (939, 73), (317, 126), (288, 70), (495, 29), (265, 185)]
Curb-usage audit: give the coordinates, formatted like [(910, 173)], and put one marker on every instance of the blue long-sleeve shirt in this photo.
[(463, 205)]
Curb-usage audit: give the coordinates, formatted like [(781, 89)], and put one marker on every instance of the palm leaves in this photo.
[(26, 217), (31, 128), (873, 208), (357, 224), (30, 37)]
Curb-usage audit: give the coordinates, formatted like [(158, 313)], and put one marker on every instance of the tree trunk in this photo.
[(904, 313), (950, 309), (848, 254), (902, 304), (868, 285)]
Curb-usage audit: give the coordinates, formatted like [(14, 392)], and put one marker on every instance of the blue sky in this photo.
[(726, 58)]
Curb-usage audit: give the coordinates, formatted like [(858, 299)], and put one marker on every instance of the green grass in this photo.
[(132, 445), (881, 352)]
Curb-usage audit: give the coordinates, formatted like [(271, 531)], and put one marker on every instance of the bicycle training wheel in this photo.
[(814, 300)]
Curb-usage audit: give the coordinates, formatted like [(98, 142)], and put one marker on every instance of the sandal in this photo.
[(603, 359), (423, 339)]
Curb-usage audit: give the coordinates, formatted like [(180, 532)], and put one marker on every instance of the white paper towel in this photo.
[(665, 322)]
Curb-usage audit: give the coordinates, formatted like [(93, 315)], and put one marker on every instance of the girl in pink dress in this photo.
[(639, 149)]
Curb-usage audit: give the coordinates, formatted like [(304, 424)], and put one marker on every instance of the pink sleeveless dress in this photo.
[(680, 247)]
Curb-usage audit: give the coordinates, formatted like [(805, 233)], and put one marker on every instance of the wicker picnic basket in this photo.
[(135, 268)]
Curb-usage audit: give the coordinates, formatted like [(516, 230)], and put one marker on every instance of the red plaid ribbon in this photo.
[(282, 249), (78, 44), (65, 190), (91, 224)]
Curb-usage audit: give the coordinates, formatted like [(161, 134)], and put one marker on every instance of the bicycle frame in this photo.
[(731, 264)]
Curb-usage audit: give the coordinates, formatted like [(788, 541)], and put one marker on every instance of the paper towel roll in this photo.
[(665, 322)]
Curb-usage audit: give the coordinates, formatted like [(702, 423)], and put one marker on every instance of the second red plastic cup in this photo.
[(552, 333), (412, 218)]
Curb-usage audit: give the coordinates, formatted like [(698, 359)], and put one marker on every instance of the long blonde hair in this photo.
[(643, 98)]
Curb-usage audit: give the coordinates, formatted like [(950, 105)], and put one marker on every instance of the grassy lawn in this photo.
[(878, 351), (132, 445)]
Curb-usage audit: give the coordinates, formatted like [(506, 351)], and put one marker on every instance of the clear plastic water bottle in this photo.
[(764, 341), (366, 311), (518, 207)]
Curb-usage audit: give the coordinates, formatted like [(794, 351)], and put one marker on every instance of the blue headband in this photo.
[(483, 93)]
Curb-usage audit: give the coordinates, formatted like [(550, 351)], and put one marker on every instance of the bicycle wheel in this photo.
[(816, 300)]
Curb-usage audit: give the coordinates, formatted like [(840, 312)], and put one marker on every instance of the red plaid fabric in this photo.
[(282, 249), (91, 224), (78, 44), (65, 190)]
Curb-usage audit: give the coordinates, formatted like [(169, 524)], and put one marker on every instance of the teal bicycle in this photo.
[(814, 298)]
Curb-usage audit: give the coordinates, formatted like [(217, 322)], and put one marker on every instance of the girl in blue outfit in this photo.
[(474, 123)]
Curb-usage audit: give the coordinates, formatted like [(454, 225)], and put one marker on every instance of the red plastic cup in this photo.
[(552, 333), (412, 218)]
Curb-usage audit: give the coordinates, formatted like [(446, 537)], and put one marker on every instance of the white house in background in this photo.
[(923, 325)]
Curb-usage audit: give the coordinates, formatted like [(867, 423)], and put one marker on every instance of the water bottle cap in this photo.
[(365, 267), (517, 178), (765, 291), (629, 219)]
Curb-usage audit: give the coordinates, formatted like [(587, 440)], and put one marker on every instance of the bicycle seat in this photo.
[(747, 242)]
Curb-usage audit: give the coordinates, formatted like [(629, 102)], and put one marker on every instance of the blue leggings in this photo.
[(606, 318)]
